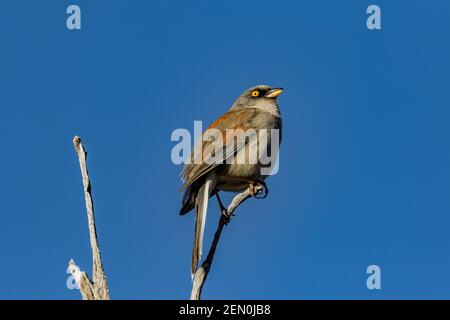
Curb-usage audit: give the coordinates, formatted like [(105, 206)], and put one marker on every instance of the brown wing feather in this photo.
[(233, 119)]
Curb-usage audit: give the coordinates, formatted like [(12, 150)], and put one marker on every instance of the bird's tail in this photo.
[(201, 207)]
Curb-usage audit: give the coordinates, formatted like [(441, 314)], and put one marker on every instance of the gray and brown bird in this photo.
[(255, 110)]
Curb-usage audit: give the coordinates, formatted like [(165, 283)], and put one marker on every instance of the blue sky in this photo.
[(364, 172)]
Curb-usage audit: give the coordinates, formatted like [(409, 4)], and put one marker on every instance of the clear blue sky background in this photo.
[(365, 161)]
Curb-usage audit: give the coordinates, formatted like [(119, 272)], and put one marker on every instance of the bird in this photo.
[(255, 109)]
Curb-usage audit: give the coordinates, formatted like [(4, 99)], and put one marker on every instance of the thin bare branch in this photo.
[(98, 288)]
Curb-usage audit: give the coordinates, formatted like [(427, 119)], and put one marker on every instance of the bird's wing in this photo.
[(203, 161)]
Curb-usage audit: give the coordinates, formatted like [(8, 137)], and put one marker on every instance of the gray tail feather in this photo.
[(201, 207)]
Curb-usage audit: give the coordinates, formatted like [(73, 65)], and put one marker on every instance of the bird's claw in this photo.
[(258, 189), (227, 216)]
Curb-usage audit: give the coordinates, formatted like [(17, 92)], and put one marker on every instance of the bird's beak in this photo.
[(273, 93)]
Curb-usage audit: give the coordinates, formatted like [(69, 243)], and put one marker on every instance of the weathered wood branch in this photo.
[(202, 273), (97, 289)]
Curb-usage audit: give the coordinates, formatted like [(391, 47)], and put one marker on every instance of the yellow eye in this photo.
[(255, 93)]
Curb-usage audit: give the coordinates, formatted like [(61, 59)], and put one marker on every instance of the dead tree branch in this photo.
[(202, 273), (97, 289)]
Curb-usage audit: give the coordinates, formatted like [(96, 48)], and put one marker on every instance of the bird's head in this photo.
[(260, 96)]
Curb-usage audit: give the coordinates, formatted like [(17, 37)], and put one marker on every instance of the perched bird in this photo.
[(256, 109)]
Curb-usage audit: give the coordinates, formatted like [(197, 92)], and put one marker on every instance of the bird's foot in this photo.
[(258, 189), (227, 216)]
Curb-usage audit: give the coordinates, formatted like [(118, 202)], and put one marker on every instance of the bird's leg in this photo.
[(257, 187), (224, 210), (222, 207)]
